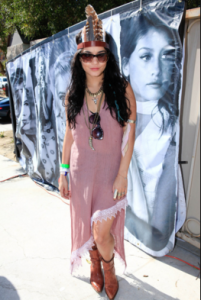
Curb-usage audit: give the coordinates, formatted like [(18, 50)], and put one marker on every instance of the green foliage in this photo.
[(2, 135), (193, 4), (43, 18), (4, 63)]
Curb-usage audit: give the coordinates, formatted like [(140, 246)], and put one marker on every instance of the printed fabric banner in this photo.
[(148, 48)]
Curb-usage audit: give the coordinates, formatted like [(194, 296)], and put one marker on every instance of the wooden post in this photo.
[(193, 13)]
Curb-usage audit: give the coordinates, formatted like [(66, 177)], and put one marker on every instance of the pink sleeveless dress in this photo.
[(92, 175)]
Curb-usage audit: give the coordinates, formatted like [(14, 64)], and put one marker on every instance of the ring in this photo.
[(115, 194)]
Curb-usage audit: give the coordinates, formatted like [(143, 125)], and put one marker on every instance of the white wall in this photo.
[(190, 134)]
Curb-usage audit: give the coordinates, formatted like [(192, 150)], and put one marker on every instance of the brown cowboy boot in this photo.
[(96, 280), (111, 283)]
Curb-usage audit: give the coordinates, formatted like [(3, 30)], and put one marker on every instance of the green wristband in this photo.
[(65, 166)]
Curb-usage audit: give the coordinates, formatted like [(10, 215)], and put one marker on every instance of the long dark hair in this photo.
[(114, 87), (135, 28)]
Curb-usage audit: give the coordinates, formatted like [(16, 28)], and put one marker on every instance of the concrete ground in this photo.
[(35, 253)]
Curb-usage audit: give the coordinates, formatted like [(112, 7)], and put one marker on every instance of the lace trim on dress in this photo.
[(110, 212), (77, 255)]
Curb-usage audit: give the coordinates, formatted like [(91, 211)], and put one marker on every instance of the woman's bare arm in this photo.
[(68, 141), (121, 180), (125, 161)]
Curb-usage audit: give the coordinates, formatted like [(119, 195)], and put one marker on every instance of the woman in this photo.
[(99, 104), (17, 78), (47, 136), (61, 77), (28, 130), (151, 60)]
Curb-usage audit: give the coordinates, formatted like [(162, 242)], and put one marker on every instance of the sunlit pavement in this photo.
[(35, 253)]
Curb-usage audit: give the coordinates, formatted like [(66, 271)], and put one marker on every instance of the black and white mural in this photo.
[(148, 48)]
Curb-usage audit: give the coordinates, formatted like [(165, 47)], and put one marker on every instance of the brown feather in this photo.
[(90, 12), (86, 31), (97, 23), (99, 31)]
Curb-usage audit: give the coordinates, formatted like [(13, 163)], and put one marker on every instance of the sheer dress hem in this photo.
[(99, 216)]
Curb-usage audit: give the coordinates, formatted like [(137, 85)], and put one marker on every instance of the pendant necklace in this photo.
[(95, 120), (94, 95)]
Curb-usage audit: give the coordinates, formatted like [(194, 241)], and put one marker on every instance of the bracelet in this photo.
[(66, 166), (131, 121), (122, 176), (64, 169), (64, 173)]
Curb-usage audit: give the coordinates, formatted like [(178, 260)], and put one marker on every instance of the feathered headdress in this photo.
[(93, 33)]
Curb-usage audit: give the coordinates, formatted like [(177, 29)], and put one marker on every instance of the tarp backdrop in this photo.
[(148, 48)]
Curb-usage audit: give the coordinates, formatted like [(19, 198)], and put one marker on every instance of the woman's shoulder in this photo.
[(129, 90)]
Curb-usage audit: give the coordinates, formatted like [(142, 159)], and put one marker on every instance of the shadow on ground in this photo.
[(185, 255), (133, 288), (4, 121), (7, 290)]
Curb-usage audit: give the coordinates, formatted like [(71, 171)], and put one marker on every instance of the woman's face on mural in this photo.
[(18, 99), (151, 65), (62, 82), (26, 112)]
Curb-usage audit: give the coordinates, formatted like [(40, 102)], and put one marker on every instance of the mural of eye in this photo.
[(43, 137), (53, 138), (52, 152), (48, 130), (47, 155), (44, 161)]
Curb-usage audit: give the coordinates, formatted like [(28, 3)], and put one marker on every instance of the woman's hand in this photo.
[(120, 184), (63, 187)]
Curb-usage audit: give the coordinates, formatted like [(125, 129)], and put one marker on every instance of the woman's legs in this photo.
[(105, 244), (103, 238)]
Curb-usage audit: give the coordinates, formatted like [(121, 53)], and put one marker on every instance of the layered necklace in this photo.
[(94, 122), (94, 95)]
